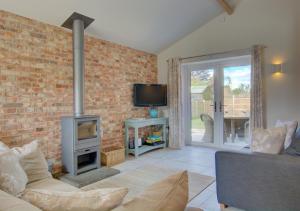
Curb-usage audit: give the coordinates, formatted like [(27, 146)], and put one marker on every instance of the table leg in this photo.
[(126, 141), (136, 141), (165, 135)]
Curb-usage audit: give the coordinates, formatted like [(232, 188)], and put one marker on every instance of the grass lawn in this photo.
[(197, 124)]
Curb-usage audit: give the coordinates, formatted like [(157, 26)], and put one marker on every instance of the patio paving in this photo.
[(197, 137)]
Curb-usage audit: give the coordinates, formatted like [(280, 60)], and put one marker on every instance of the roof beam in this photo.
[(226, 6)]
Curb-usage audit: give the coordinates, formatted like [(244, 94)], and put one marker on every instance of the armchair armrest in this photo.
[(258, 181)]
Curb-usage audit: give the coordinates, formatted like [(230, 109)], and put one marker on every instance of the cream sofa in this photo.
[(30, 172), (11, 203)]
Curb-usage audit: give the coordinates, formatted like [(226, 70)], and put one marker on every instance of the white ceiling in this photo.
[(148, 25)]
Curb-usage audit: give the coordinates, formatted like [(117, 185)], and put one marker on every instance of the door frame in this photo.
[(218, 64)]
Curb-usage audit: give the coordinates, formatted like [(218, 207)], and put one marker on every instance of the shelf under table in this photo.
[(146, 148)]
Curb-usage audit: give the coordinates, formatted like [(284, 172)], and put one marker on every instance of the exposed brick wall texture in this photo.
[(36, 83)]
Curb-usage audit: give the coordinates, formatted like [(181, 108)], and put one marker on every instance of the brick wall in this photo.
[(36, 83)]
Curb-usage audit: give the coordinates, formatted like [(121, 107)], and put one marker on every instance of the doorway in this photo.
[(218, 101)]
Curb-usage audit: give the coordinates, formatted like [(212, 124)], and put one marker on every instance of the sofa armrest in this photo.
[(258, 181)]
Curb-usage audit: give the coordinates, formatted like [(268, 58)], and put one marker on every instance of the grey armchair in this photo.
[(258, 181)]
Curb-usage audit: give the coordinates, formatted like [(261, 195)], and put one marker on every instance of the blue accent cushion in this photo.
[(297, 134), (294, 149)]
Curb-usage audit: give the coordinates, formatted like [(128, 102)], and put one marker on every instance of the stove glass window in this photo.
[(87, 130)]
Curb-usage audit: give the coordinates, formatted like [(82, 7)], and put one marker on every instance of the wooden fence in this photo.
[(234, 107)]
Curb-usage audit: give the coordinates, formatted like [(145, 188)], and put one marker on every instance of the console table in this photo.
[(139, 123)]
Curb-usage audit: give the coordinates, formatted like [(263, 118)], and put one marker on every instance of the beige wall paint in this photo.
[(274, 23)]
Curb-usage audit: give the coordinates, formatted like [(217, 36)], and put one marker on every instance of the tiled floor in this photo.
[(196, 159)]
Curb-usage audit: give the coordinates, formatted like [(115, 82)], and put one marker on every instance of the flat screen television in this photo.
[(149, 95)]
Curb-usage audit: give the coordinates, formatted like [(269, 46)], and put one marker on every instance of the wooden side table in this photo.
[(140, 123)]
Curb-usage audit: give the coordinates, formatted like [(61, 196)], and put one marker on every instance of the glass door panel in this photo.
[(202, 105), (236, 104), (218, 101)]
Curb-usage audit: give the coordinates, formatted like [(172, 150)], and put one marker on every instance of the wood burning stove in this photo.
[(80, 133), (80, 143)]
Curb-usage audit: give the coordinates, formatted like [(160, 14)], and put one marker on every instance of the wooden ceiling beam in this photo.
[(226, 6)]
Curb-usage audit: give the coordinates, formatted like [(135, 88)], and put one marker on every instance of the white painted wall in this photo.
[(274, 23)]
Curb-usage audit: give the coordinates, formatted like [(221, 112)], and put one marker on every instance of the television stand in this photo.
[(140, 123)]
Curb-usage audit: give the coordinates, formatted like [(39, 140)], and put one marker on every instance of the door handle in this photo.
[(221, 107), (215, 106)]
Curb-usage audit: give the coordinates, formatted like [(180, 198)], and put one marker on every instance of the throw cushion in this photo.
[(268, 140), (294, 148), (170, 194), (100, 199), (13, 179), (3, 147), (33, 161), (291, 127)]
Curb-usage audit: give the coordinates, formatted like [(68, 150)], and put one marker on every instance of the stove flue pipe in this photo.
[(78, 23)]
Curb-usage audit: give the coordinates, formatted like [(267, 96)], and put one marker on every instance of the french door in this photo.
[(218, 101)]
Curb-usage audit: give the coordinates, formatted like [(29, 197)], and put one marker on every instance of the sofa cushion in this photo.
[(51, 184), (294, 148), (13, 179), (291, 127), (11, 203), (170, 194), (33, 161), (268, 140), (94, 200)]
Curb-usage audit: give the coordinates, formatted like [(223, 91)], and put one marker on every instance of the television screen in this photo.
[(150, 95)]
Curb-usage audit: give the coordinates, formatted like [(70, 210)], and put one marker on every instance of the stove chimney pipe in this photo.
[(78, 23)]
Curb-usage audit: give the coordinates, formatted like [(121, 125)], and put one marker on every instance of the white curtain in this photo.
[(176, 129), (257, 88)]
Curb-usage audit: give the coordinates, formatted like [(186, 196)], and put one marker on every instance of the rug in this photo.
[(89, 177), (139, 179)]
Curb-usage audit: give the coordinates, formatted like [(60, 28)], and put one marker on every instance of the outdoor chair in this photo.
[(209, 128)]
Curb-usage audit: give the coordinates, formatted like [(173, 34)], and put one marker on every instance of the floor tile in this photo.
[(201, 198), (211, 203), (195, 159)]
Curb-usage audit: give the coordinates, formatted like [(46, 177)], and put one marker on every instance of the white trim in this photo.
[(237, 60), (215, 62), (218, 56)]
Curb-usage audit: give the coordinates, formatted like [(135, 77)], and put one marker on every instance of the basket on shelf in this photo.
[(112, 156)]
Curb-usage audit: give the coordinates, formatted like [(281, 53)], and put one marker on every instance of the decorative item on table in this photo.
[(153, 112), (131, 143), (140, 142), (156, 133), (153, 140)]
